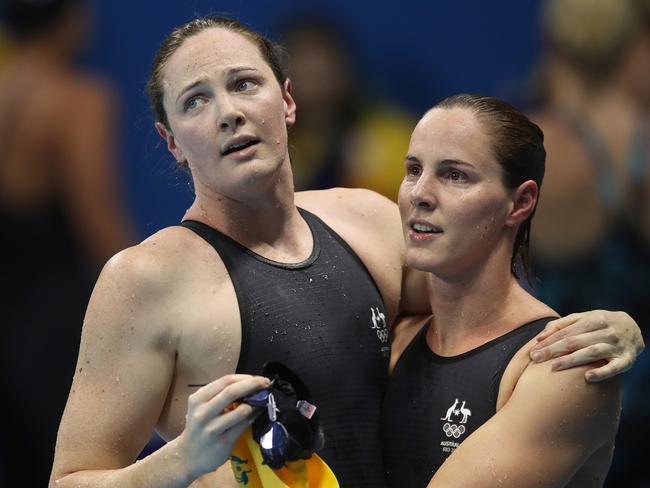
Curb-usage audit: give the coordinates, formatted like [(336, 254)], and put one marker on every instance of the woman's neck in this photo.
[(472, 309), (265, 221)]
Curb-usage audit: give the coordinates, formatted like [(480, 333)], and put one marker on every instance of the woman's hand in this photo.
[(583, 338), (210, 431)]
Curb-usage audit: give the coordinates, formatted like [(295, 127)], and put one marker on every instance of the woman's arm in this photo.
[(553, 426), (584, 338)]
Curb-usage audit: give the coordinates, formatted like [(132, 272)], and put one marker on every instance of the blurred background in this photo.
[(83, 173)]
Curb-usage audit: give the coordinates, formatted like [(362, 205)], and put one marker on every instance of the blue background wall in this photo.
[(414, 52)]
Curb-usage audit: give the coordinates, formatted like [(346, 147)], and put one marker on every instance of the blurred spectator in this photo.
[(634, 72), (591, 239), (344, 135), (4, 47), (60, 220)]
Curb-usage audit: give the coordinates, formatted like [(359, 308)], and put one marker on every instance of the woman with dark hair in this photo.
[(61, 219), (463, 381), (248, 278), (255, 273)]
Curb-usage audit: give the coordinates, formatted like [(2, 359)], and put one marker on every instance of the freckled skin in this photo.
[(167, 308), (156, 305), (197, 135)]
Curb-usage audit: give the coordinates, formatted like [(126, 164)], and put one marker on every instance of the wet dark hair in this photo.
[(26, 19), (273, 54), (518, 146)]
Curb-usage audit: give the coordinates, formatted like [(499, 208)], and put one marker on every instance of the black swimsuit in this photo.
[(325, 319), (433, 402)]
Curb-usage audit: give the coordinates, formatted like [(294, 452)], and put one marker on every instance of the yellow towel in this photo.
[(246, 462)]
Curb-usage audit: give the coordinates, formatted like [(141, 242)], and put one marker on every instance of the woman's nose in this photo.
[(423, 194), (229, 115)]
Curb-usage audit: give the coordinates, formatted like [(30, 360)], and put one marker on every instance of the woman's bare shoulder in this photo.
[(164, 257)]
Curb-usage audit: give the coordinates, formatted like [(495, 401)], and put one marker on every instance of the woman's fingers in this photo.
[(573, 324)]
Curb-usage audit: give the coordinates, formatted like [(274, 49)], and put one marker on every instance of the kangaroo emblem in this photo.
[(451, 410), (379, 324), (466, 413), (378, 319)]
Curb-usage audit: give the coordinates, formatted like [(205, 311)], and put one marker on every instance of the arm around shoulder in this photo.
[(383, 215), (589, 337), (371, 225), (554, 428), (351, 205)]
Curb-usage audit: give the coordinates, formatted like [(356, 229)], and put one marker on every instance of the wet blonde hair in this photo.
[(591, 34)]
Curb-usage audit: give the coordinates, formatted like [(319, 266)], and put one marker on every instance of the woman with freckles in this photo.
[(255, 273), (465, 406)]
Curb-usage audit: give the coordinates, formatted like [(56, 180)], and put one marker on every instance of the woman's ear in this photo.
[(524, 202), (169, 138), (289, 104)]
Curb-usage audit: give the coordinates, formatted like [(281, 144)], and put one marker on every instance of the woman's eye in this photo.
[(454, 175), (244, 85), (193, 102), (413, 171)]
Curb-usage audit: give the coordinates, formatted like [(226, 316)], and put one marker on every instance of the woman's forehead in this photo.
[(455, 125), (456, 133), (213, 49)]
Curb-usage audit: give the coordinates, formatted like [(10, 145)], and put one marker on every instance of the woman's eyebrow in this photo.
[(237, 69), (454, 162), (410, 157), (193, 84)]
